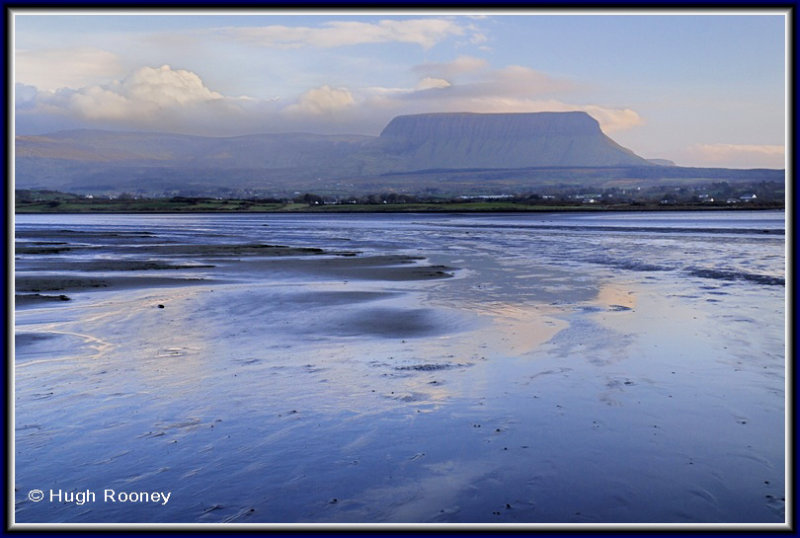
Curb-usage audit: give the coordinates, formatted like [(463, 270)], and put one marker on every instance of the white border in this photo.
[(599, 11)]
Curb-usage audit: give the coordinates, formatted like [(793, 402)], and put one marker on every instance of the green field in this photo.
[(155, 205)]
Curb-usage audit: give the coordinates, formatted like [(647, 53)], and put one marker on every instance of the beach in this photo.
[(557, 370)]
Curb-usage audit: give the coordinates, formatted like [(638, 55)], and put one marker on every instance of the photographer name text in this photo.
[(107, 496)]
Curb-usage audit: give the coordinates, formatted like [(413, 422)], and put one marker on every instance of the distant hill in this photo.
[(502, 141), (662, 162), (91, 161), (286, 150)]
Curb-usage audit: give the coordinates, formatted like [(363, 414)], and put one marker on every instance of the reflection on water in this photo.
[(559, 370), (616, 297), (519, 331)]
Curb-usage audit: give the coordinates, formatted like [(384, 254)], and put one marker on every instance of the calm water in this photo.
[(576, 368)]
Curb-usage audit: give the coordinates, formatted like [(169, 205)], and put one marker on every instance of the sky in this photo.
[(698, 88)]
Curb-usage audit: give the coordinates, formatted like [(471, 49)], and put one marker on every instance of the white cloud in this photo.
[(738, 155), (160, 98), (323, 101), (429, 83), (145, 95), (613, 119), (423, 32), (51, 69), (165, 86), (100, 103), (466, 85), (178, 100)]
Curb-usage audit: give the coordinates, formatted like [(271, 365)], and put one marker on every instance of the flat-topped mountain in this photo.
[(401, 158), (464, 140)]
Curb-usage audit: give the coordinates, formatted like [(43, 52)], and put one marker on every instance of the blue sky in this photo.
[(699, 89)]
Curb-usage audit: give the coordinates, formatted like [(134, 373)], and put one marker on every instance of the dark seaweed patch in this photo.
[(429, 367), (720, 274), (28, 298), (247, 249), (41, 250), (123, 265)]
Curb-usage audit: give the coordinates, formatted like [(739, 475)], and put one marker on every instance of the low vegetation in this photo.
[(719, 195)]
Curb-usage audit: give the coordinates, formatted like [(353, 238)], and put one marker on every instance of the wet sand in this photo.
[(326, 385)]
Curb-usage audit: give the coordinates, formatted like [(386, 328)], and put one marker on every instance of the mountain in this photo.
[(158, 149), (410, 147), (463, 140), (91, 161)]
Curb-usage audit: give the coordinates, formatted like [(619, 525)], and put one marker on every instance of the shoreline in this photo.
[(412, 210)]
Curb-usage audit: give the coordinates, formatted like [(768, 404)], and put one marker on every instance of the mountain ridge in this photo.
[(91, 161)]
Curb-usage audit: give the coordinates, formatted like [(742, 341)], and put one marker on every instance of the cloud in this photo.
[(178, 100), (146, 94), (154, 97), (478, 38), (739, 155), (438, 95), (470, 77), (96, 102), (610, 119), (429, 83), (423, 32), (165, 86), (52, 69), (323, 101), (519, 80), (613, 119), (459, 66), (24, 94), (723, 151), (467, 85)]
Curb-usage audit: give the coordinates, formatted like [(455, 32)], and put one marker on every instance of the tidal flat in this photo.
[(551, 370)]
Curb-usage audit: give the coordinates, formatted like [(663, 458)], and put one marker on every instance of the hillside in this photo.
[(456, 141), (568, 146)]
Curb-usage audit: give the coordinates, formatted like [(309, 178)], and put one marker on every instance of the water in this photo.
[(549, 368)]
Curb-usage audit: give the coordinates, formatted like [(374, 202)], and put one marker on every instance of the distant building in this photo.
[(487, 197), (748, 197)]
